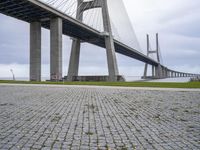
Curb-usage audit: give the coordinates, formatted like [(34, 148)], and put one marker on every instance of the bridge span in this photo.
[(39, 14)]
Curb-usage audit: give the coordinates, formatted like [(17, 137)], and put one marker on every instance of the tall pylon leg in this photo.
[(74, 60), (109, 43), (146, 65), (75, 50)]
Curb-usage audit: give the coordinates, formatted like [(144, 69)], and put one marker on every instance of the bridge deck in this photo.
[(34, 10)]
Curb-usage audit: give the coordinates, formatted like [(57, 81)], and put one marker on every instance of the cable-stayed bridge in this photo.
[(71, 18)]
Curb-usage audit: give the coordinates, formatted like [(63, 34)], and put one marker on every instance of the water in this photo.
[(181, 79), (138, 78), (21, 78), (128, 79)]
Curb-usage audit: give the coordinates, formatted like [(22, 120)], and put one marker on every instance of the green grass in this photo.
[(123, 84)]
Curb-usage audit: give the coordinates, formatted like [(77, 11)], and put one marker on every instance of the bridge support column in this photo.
[(168, 73), (74, 60), (109, 43), (145, 71), (56, 49), (158, 71), (75, 50), (35, 51), (163, 72), (153, 71)]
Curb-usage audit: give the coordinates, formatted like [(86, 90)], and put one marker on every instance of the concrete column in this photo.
[(153, 71), (158, 71), (163, 72), (35, 51), (75, 50), (168, 74), (74, 60), (146, 65), (145, 70), (109, 43), (56, 49)]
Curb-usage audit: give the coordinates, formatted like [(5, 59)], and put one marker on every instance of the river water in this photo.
[(128, 79)]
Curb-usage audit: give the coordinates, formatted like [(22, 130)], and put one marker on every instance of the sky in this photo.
[(176, 21)]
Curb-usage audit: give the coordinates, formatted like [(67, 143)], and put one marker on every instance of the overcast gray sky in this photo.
[(176, 21)]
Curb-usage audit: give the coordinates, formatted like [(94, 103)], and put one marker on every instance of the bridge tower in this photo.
[(109, 43), (157, 71)]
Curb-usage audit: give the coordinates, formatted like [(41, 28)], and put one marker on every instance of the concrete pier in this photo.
[(35, 51), (158, 72), (74, 60), (153, 71), (75, 50), (109, 43), (56, 49)]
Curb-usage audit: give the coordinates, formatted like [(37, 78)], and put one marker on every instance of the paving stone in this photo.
[(45, 117)]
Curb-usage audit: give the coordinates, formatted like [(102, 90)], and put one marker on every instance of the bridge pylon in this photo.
[(109, 42), (157, 71)]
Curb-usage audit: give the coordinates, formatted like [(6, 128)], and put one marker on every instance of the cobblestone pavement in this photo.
[(45, 117)]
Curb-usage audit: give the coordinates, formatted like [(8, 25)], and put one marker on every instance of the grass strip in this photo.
[(123, 84)]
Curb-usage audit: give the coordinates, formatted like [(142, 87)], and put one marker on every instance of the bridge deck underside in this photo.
[(33, 10)]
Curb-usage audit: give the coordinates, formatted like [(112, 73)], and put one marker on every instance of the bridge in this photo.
[(42, 14)]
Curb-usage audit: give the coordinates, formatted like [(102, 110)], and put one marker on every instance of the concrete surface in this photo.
[(90, 117)]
